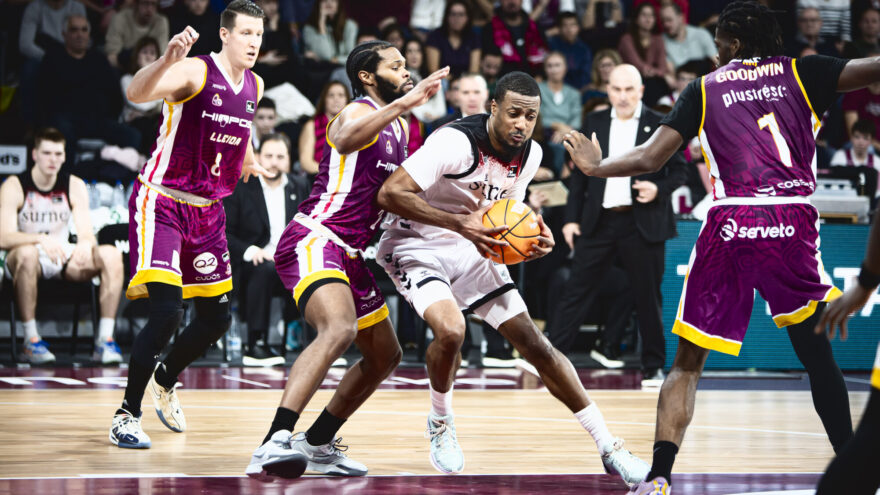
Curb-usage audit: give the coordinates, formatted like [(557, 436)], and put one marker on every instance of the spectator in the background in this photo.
[(427, 15), (863, 104), (313, 136), (142, 116), (79, 92), (43, 25), (861, 154), (684, 74), (435, 108), (682, 41), (265, 120), (560, 107), (868, 36), (602, 13), (602, 23), (546, 12), (277, 62), (132, 24), (393, 33), (603, 63), (578, 55), (642, 46), (414, 53), (473, 94), (490, 67), (256, 214), (454, 43), (809, 24), (328, 34), (656, 4), (198, 15), (517, 37), (835, 17)]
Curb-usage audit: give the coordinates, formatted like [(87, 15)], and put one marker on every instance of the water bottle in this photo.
[(94, 196), (119, 195), (233, 338)]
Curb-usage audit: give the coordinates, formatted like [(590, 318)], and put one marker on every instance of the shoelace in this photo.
[(438, 431), (127, 425), (617, 445), (336, 447)]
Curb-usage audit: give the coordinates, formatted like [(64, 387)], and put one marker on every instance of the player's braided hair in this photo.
[(755, 26), (364, 57)]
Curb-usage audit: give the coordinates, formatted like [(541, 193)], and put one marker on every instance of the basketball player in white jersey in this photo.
[(35, 210), (438, 254)]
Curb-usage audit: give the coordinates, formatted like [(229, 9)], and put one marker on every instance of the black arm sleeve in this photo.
[(819, 75), (687, 113)]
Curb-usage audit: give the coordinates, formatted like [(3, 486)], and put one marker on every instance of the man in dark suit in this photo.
[(630, 218), (256, 215)]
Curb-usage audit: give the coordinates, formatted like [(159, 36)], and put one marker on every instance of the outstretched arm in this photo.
[(357, 125), (647, 157), (859, 73)]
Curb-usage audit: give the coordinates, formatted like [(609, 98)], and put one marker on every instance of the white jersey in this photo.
[(453, 181)]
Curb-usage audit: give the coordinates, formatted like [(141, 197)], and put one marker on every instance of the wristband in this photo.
[(868, 279)]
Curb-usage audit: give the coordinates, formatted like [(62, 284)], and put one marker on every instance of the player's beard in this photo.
[(388, 91)]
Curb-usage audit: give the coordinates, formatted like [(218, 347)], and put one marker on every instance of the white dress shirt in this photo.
[(621, 138), (275, 205)]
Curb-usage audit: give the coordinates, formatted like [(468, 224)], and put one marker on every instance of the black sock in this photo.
[(126, 408), (285, 419), (664, 457), (163, 379), (324, 428)]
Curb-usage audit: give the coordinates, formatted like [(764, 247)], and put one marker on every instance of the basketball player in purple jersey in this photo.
[(757, 117), (854, 470), (318, 259), (177, 224)]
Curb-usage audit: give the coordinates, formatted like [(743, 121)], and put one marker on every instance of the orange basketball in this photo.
[(522, 229)]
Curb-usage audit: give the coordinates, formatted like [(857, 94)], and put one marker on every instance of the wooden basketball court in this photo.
[(55, 424)]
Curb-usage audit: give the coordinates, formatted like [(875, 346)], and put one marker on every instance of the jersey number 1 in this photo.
[(215, 169), (769, 121)]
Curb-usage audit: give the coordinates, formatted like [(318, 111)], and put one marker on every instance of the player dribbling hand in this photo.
[(545, 242)]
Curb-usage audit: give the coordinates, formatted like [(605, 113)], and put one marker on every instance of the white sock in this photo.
[(441, 402), (105, 329), (591, 419), (30, 331)]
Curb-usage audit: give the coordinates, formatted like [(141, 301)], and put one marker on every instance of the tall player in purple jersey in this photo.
[(757, 117), (177, 224), (318, 259)]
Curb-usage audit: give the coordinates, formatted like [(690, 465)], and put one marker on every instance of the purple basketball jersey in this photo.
[(758, 131), (203, 139), (343, 197)]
